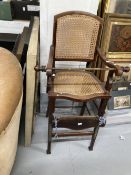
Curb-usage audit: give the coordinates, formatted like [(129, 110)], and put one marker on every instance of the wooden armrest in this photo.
[(118, 70), (50, 61)]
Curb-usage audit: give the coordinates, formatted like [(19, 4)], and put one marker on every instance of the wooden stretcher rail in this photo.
[(66, 134)]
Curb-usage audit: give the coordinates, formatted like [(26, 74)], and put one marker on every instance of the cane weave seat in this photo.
[(81, 84)]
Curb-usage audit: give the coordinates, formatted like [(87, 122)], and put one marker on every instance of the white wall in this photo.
[(48, 9), (15, 26)]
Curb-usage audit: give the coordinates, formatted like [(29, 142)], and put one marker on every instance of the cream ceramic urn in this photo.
[(10, 108)]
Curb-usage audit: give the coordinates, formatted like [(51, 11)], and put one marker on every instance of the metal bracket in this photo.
[(102, 121)]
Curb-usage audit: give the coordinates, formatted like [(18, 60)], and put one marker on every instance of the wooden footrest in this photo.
[(76, 122)]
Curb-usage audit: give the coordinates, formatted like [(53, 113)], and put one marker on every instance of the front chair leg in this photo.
[(51, 108), (49, 135), (96, 129), (101, 112)]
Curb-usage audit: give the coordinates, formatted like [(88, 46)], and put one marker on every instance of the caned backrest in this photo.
[(76, 36)]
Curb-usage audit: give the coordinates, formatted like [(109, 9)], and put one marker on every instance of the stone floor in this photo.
[(111, 154)]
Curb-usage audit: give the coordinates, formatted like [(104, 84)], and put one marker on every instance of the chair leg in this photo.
[(51, 107), (83, 108), (96, 129), (101, 112), (49, 137)]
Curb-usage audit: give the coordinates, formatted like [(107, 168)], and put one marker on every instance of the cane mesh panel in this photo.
[(77, 84), (76, 37)]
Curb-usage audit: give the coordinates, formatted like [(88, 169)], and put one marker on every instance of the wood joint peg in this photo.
[(38, 68)]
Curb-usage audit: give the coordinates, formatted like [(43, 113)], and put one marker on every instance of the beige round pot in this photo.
[(10, 108)]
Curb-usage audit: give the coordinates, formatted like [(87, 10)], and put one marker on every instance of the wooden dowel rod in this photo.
[(64, 68)]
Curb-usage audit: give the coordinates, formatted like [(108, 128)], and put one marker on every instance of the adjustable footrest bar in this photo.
[(76, 122)]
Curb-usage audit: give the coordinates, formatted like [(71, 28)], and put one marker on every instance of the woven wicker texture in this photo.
[(76, 37), (77, 84)]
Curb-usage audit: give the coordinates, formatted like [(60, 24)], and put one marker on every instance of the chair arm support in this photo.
[(50, 62), (118, 70), (49, 66)]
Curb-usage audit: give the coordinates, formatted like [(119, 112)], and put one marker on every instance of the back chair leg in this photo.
[(96, 129), (51, 108), (83, 109)]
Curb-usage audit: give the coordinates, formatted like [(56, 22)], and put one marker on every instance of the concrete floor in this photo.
[(111, 154)]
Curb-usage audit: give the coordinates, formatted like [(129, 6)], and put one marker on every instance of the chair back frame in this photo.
[(56, 17)]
